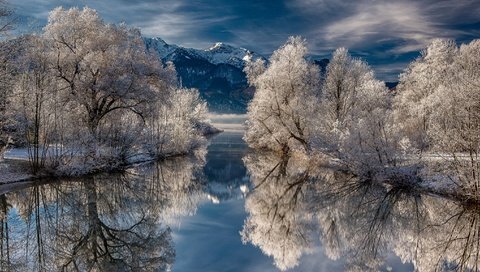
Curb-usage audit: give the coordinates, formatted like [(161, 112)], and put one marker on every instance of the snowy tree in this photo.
[(178, 123), (254, 69), (354, 115), (417, 87), (454, 119), (90, 97), (437, 109), (370, 141), (7, 124), (7, 51), (458, 117), (104, 67), (286, 92), (344, 77), (32, 99), (347, 114)]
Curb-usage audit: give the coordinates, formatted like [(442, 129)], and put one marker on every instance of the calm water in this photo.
[(227, 209)]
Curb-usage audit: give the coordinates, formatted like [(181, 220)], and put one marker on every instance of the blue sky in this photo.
[(388, 34)]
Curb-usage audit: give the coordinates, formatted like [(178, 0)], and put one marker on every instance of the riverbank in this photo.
[(15, 166), (414, 178), (14, 171)]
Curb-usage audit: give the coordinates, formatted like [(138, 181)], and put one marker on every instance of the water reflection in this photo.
[(295, 204), (278, 221), (108, 222), (126, 222)]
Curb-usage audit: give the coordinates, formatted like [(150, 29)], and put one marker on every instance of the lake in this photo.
[(227, 208)]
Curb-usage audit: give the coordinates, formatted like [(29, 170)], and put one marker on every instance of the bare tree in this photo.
[(6, 24)]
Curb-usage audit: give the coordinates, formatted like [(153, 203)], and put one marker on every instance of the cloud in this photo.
[(390, 71), (377, 30), (381, 21), (388, 34), (411, 25), (178, 28)]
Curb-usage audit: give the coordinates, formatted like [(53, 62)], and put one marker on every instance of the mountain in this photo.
[(322, 64), (391, 85), (216, 71)]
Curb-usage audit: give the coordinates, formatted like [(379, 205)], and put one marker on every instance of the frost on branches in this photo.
[(7, 50), (89, 97), (278, 116), (437, 110), (346, 114), (426, 131)]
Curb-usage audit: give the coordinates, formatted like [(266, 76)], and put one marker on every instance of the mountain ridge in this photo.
[(217, 72)]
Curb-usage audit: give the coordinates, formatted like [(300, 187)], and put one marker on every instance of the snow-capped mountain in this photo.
[(219, 53), (222, 53), (216, 71)]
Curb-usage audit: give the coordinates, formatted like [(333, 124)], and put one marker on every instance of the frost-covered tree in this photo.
[(104, 67), (7, 123), (178, 123), (90, 96), (354, 114), (344, 76), (6, 52), (284, 101), (34, 98), (416, 90), (347, 114), (370, 140), (438, 110), (457, 117)]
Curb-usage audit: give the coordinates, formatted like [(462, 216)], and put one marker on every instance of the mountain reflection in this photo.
[(107, 222), (295, 203)]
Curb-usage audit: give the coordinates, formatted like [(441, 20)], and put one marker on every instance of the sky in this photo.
[(387, 34)]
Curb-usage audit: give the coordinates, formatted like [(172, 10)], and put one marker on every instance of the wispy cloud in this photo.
[(380, 22), (377, 30), (179, 28), (382, 31), (389, 71)]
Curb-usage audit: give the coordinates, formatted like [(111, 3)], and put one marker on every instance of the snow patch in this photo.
[(217, 45)]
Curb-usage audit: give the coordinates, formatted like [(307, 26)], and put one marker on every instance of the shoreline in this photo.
[(25, 177), (20, 164)]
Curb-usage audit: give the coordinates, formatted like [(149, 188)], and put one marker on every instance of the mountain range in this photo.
[(217, 72)]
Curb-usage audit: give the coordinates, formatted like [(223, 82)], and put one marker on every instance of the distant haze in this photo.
[(229, 122)]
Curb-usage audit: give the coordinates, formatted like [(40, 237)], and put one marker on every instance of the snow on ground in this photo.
[(15, 166), (13, 171)]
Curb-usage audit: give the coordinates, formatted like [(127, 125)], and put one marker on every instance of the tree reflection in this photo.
[(4, 234), (107, 222), (278, 221), (294, 202), (103, 240)]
